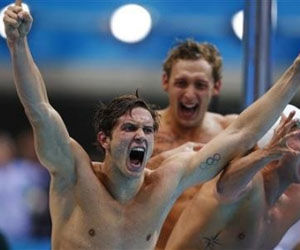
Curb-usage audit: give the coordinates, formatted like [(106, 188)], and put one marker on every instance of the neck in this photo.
[(121, 187), (184, 132)]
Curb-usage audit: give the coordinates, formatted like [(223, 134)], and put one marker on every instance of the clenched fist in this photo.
[(17, 23)]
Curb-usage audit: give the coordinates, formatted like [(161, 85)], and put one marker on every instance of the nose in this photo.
[(140, 135), (189, 93)]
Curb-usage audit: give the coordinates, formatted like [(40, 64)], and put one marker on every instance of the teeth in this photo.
[(190, 105), (139, 149)]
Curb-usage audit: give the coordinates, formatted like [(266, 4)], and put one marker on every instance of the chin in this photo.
[(188, 123), (136, 172)]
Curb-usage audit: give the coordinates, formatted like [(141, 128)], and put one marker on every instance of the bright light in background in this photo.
[(274, 14), (130, 23), (237, 20), (2, 30)]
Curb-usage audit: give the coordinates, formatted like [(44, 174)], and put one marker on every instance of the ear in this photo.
[(165, 81), (103, 140), (217, 87)]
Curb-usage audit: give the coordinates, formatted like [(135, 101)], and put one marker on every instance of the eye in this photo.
[(128, 127), (201, 85), (148, 130), (181, 83)]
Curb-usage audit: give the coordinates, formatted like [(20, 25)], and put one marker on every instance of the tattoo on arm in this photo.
[(210, 242), (210, 161)]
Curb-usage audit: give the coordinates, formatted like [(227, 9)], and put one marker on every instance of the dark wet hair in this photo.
[(106, 116), (192, 50)]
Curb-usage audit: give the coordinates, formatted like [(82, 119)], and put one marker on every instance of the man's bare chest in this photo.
[(113, 227)]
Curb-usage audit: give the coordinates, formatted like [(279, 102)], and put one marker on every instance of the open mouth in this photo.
[(136, 158), (189, 110)]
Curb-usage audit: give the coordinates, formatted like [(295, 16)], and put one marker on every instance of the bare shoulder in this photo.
[(165, 168), (159, 185), (214, 123), (164, 138), (61, 182), (163, 121), (222, 120), (230, 118), (63, 187), (173, 168), (76, 147), (83, 164), (79, 153)]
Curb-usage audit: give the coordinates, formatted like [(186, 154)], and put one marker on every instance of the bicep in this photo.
[(52, 141)]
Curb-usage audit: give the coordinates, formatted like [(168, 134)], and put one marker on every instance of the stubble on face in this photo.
[(127, 137), (190, 88)]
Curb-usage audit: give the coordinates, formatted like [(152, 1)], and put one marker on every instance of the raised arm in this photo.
[(52, 141), (243, 133), (238, 175)]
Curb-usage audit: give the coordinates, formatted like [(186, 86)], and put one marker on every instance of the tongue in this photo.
[(187, 112), (135, 162)]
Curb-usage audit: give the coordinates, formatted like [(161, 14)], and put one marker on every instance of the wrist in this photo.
[(273, 153), (268, 154), (17, 43)]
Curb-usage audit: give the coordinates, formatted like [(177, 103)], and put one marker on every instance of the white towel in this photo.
[(267, 137)]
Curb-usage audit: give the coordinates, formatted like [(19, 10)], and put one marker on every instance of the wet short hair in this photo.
[(106, 116), (192, 50)]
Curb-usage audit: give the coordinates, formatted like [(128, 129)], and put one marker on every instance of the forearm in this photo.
[(28, 80), (238, 174), (244, 132), (256, 119)]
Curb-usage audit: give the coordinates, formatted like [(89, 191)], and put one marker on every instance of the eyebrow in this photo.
[(128, 123), (183, 76), (135, 125), (149, 126)]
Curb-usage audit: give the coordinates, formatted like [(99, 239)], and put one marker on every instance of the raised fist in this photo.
[(17, 23)]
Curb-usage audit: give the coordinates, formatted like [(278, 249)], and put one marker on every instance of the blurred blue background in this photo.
[(82, 62), (72, 44)]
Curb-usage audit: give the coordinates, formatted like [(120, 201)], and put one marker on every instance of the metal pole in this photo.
[(257, 38)]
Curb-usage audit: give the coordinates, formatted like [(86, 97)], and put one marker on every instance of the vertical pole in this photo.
[(257, 40)]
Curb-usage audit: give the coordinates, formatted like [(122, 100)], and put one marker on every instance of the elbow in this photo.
[(36, 113)]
